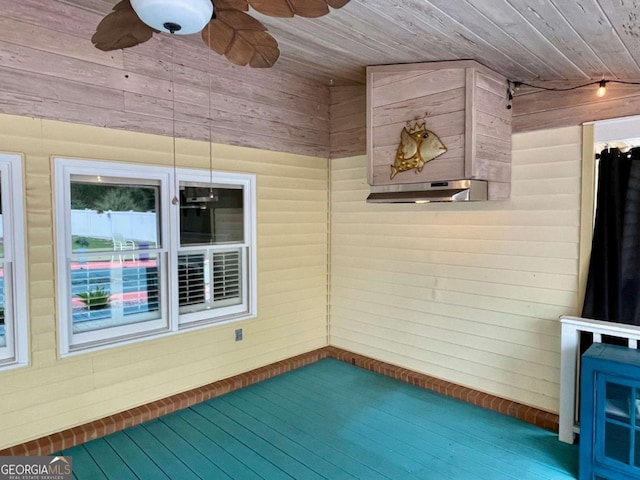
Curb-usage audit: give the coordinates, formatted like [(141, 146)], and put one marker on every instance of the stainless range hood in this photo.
[(449, 191)]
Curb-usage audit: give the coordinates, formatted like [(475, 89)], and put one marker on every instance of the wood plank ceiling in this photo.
[(525, 40)]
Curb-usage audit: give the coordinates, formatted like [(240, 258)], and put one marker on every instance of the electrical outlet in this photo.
[(238, 334)]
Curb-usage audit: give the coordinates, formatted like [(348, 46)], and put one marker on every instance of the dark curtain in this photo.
[(613, 285)]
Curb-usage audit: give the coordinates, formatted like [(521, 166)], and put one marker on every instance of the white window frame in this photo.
[(15, 353), (247, 246), (171, 321)]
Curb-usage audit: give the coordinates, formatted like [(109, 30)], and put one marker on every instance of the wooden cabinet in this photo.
[(462, 102), (610, 413)]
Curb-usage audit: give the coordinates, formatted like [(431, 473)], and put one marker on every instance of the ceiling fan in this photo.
[(226, 26)]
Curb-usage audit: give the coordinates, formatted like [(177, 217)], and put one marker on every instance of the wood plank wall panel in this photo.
[(531, 112), (469, 293), (53, 394), (348, 121), (50, 69), (547, 109), (491, 150)]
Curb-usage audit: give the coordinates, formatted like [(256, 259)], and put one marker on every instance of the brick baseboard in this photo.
[(135, 416)]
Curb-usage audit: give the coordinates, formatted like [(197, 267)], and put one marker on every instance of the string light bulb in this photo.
[(602, 89)]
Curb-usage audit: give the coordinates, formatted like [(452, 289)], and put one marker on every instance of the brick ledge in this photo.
[(135, 416)]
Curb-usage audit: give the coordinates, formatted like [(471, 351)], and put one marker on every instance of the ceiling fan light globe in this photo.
[(191, 15)]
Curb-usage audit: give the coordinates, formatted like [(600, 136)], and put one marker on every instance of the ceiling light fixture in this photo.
[(182, 17), (602, 89)]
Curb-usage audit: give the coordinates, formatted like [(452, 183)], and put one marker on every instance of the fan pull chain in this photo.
[(210, 120), (174, 200)]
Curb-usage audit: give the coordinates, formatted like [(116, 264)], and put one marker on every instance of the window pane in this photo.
[(226, 277), (113, 217), (618, 402), (3, 328), (108, 293), (210, 215), (13, 345), (209, 279), (3, 332), (1, 227), (617, 442), (192, 280)]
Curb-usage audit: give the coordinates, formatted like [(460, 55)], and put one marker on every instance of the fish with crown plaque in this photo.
[(417, 147)]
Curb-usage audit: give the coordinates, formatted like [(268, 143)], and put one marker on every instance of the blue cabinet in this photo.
[(610, 413)]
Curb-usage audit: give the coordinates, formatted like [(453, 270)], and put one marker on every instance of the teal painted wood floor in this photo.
[(329, 420)]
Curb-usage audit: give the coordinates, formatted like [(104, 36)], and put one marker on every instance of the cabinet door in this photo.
[(617, 439)]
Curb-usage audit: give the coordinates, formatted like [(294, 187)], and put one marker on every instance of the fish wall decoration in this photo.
[(417, 147)]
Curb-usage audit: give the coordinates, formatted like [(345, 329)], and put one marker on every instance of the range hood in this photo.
[(442, 191)]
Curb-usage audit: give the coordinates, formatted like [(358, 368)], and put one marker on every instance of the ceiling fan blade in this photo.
[(302, 8), (231, 5), (121, 29), (266, 51), (273, 8), (254, 49), (265, 57), (218, 36), (337, 3), (242, 39), (239, 20)]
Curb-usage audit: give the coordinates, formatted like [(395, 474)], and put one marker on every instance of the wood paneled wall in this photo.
[(49, 69), (348, 121), (470, 293), (531, 111), (53, 394), (548, 109)]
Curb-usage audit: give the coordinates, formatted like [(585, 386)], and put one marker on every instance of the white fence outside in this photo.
[(141, 227)]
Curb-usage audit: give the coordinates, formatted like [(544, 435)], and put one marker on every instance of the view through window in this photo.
[(114, 277)]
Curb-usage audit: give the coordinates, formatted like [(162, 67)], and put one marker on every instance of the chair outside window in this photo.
[(121, 244)]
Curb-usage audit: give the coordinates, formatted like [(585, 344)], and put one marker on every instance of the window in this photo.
[(212, 252), (134, 263), (13, 299)]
